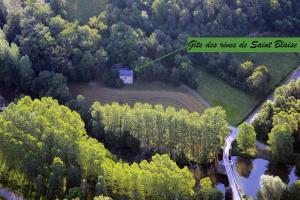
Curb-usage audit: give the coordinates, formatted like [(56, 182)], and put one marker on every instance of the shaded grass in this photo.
[(237, 103), (82, 10), (279, 64)]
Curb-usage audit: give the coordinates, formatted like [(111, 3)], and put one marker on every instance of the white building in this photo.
[(126, 75)]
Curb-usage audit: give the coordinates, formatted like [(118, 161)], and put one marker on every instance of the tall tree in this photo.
[(271, 188), (246, 139), (281, 142)]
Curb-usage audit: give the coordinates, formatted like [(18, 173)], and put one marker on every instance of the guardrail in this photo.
[(229, 165)]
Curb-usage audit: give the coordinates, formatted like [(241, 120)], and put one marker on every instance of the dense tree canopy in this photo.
[(197, 137), (52, 154), (135, 32), (278, 121), (281, 142)]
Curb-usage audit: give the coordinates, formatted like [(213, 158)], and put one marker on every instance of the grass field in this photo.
[(82, 10), (279, 64), (237, 103), (153, 93)]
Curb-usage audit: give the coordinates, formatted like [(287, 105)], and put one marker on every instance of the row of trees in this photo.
[(197, 137), (53, 157), (278, 122)]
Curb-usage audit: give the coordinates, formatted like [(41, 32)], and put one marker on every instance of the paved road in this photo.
[(233, 135), (236, 192)]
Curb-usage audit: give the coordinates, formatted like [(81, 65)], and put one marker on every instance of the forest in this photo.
[(54, 158), (197, 137), (136, 32), (278, 122), (61, 146)]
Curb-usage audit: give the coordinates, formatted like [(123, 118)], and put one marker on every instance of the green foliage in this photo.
[(281, 142), (49, 144), (102, 198), (9, 55), (282, 113), (52, 85), (271, 188), (245, 76), (101, 187), (26, 73), (73, 193), (160, 178), (43, 138), (246, 139), (207, 191), (293, 192), (197, 137)]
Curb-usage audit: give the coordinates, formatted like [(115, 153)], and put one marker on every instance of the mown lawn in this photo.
[(237, 103), (82, 10), (279, 64)]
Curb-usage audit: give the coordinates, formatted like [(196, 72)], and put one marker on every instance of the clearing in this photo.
[(153, 93), (237, 103), (82, 10)]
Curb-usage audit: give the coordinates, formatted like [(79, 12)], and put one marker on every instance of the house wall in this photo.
[(127, 79)]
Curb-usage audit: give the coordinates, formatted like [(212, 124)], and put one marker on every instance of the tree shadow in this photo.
[(244, 166)]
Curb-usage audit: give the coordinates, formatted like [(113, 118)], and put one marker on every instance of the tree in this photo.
[(175, 77), (102, 198), (38, 44), (10, 57), (52, 85), (294, 191), (258, 81), (26, 73), (246, 138), (13, 26), (124, 43), (245, 69), (45, 133), (84, 189), (101, 188), (73, 193), (58, 169), (59, 7), (207, 191), (281, 142), (166, 128), (271, 188), (40, 186)]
